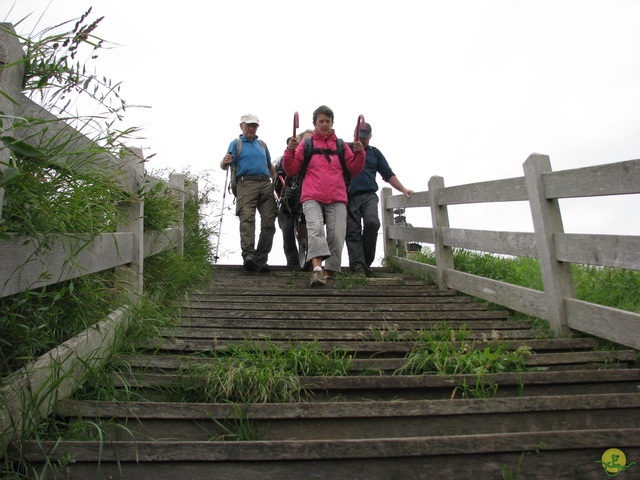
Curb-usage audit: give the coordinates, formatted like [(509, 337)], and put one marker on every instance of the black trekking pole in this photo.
[(224, 196)]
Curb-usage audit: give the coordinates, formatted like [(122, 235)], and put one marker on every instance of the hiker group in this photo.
[(323, 185)]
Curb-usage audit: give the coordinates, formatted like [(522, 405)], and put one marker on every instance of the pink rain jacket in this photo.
[(323, 181)]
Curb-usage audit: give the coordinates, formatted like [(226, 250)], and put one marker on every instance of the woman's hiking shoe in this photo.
[(317, 279)]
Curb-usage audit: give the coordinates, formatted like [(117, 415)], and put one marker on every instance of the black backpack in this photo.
[(310, 150)]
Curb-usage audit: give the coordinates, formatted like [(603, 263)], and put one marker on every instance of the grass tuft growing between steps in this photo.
[(260, 373), (445, 351)]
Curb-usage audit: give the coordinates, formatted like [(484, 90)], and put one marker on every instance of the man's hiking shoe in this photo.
[(317, 279), (263, 268), (250, 263), (359, 270)]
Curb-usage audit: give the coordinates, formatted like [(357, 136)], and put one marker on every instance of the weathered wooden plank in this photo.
[(470, 315), (363, 342), (411, 234), (331, 293), (24, 266), (338, 449), (375, 302), (605, 322), (411, 305), (374, 329), (418, 199), (526, 300), (529, 464), (347, 324), (618, 251), (399, 408), (504, 190), (507, 243), (620, 178), (156, 242), (30, 393)]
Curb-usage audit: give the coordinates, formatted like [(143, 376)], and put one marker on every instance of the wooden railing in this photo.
[(554, 249), (31, 392)]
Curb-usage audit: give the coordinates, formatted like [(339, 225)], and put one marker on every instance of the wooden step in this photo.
[(547, 454), (166, 421), (554, 420), (415, 387)]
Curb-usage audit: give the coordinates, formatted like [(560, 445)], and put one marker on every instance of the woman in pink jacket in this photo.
[(324, 192)]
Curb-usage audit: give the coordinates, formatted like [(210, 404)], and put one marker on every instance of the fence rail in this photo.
[(555, 250), (31, 393)]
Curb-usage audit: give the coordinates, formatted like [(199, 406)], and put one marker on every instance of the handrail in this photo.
[(31, 393), (556, 250)]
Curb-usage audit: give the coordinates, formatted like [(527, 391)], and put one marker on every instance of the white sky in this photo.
[(463, 89)]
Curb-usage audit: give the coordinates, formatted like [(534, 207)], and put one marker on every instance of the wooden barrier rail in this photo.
[(31, 393), (554, 249)]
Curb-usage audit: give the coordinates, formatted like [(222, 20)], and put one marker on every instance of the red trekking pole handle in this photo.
[(359, 126), (296, 123)]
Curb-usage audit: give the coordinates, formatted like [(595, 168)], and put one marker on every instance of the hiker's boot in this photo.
[(317, 278), (250, 263)]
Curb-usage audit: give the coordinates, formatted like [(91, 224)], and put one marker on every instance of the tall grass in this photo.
[(45, 198), (260, 373)]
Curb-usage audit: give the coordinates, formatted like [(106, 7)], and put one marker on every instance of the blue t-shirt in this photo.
[(365, 181), (254, 160)]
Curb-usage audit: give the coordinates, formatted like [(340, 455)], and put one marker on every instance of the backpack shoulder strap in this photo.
[(343, 162), (308, 153), (238, 150)]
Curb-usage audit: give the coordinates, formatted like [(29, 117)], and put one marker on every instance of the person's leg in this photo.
[(354, 233), (336, 221), (317, 243), (285, 222), (314, 218), (246, 204), (268, 212), (371, 226)]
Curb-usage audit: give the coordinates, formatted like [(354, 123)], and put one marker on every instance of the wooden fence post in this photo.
[(547, 221), (176, 180), (133, 220), (11, 86), (440, 220), (387, 221)]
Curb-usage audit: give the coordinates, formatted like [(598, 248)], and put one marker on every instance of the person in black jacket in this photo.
[(363, 221), (288, 206)]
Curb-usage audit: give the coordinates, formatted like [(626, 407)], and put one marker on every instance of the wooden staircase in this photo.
[(554, 420)]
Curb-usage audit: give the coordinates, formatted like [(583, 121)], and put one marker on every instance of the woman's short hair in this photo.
[(322, 110)]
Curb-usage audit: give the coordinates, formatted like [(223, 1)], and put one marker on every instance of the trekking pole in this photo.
[(359, 127), (296, 123), (224, 196)]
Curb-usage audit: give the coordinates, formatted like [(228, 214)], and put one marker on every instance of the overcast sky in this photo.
[(464, 89)]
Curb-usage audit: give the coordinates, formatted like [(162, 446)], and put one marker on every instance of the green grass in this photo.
[(44, 198), (251, 372)]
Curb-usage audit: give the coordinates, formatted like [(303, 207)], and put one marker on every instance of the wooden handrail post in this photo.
[(11, 85), (387, 221), (557, 278), (440, 220), (176, 180), (133, 220)]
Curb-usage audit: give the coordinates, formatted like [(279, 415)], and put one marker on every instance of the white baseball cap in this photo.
[(248, 118)]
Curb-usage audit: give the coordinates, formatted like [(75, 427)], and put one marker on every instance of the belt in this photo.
[(254, 178)]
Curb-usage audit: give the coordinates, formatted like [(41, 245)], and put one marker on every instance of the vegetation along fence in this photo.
[(554, 249), (32, 263)]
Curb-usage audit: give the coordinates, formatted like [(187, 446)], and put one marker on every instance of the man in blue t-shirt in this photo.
[(254, 174), (363, 222)]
